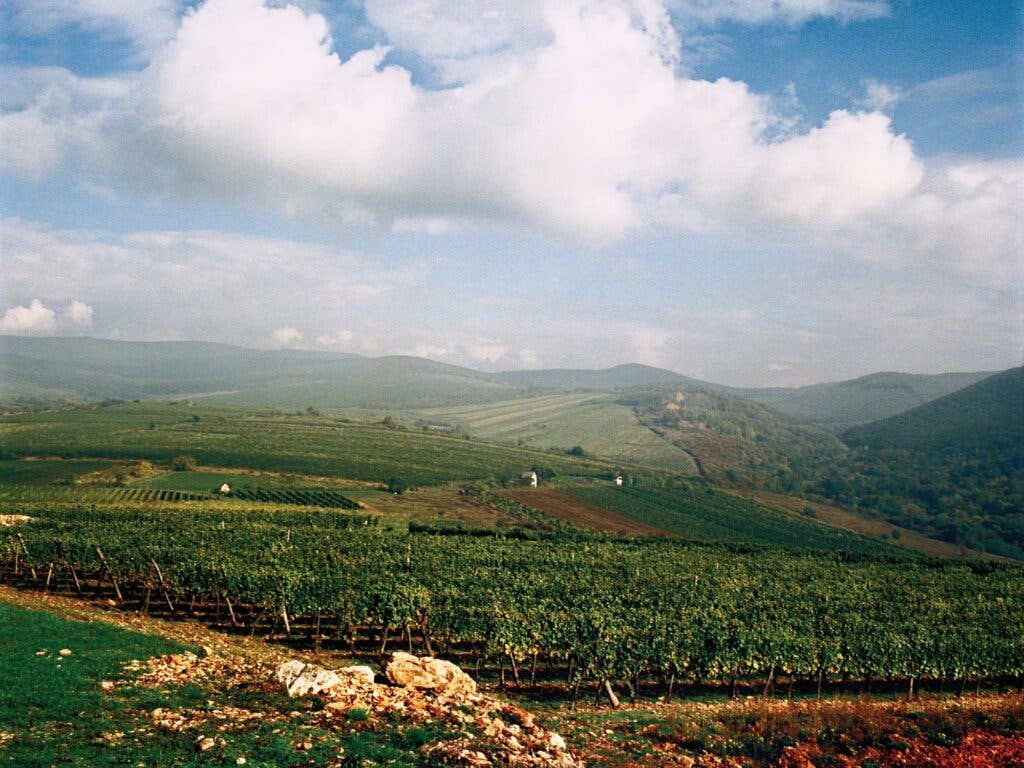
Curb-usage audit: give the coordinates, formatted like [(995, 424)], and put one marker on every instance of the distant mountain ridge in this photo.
[(71, 369), (857, 401)]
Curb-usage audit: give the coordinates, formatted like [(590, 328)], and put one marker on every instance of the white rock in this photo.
[(302, 679)]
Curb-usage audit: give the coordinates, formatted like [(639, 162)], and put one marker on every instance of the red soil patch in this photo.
[(581, 513)]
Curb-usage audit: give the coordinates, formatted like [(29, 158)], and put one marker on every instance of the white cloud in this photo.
[(35, 318), (287, 336), (144, 23), (341, 339), (584, 127), (78, 314), (879, 96)]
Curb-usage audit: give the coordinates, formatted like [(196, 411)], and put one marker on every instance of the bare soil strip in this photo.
[(581, 513)]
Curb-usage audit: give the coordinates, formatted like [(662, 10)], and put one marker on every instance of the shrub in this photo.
[(183, 464)]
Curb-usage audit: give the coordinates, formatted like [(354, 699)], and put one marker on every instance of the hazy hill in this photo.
[(617, 377), (840, 404), (953, 468), (986, 415), (84, 369)]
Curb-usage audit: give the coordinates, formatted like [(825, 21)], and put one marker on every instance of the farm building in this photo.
[(530, 479), (225, 488)]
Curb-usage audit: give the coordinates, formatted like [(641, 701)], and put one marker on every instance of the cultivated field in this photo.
[(595, 422)]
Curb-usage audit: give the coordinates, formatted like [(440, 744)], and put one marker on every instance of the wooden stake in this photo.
[(113, 579), (284, 617), (611, 694), (74, 575), (49, 577), (25, 548), (163, 584)]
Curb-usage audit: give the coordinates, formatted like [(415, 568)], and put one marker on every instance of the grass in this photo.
[(53, 711), (52, 705), (268, 441), (597, 423)]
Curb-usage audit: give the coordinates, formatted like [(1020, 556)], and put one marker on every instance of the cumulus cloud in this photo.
[(78, 314), (287, 336), (36, 318), (574, 118)]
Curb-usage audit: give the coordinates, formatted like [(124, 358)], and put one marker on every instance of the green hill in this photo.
[(953, 468), (594, 421), (733, 440), (840, 404)]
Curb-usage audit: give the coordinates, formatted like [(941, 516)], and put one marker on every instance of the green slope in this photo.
[(617, 377), (595, 422), (953, 468)]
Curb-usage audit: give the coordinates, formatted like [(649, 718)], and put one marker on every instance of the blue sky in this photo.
[(750, 192)]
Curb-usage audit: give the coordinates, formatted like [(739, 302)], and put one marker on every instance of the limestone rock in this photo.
[(428, 673), (302, 679)]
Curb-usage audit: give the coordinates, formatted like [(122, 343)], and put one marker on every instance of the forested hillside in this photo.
[(953, 468)]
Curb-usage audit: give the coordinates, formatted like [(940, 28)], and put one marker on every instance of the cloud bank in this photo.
[(574, 118)]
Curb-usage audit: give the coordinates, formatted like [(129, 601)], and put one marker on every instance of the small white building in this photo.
[(225, 489), (530, 479), (618, 479)]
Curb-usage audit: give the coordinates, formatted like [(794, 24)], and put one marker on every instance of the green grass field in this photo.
[(595, 422), (54, 713), (263, 440)]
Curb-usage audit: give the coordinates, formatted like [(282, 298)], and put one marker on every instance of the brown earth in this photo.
[(581, 513)]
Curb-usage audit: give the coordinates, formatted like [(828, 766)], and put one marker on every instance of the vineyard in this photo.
[(266, 441), (574, 609), (702, 513), (308, 497)]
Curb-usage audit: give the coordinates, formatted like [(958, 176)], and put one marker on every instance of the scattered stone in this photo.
[(428, 673), (106, 686), (205, 743), (239, 761), (64, 652)]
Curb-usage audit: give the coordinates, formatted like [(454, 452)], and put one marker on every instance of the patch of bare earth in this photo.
[(581, 513), (8, 520)]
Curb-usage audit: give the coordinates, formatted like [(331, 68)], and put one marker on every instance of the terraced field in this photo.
[(595, 422)]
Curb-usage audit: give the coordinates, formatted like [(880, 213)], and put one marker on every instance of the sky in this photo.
[(752, 192)]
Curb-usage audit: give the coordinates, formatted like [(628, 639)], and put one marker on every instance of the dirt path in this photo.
[(581, 513)]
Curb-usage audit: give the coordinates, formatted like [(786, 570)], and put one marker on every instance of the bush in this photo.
[(183, 464)]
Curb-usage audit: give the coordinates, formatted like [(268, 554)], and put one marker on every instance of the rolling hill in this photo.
[(840, 404), (952, 468), (84, 369)]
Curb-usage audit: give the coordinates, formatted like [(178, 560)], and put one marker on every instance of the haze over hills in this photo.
[(55, 369), (844, 403)]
